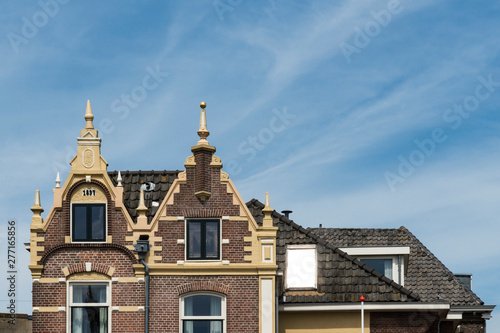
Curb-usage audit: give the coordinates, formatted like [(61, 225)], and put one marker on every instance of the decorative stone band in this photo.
[(215, 213), (203, 286)]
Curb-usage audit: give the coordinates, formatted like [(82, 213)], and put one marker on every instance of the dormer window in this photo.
[(301, 267), (88, 222), (389, 261)]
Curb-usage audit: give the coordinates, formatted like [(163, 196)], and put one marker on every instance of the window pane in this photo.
[(89, 319), (79, 222), (202, 326), (383, 266), (212, 240), (202, 305), (194, 239), (98, 224), (89, 293)]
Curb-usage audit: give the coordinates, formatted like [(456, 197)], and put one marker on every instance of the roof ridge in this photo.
[(355, 261)]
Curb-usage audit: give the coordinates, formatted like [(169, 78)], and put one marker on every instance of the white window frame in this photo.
[(105, 222), (70, 304), (186, 242), (301, 247), (398, 254), (222, 317)]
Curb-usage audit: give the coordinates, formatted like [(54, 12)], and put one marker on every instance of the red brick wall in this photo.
[(122, 294), (188, 205), (404, 322), (242, 302), (49, 322), (206, 178), (170, 231), (59, 227)]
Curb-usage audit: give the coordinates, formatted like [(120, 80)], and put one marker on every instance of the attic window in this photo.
[(88, 222), (389, 261), (301, 267)]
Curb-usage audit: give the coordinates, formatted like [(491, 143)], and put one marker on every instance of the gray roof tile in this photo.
[(341, 278), (426, 276)]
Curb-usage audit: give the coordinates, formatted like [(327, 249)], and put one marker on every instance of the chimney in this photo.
[(287, 213), (466, 279)]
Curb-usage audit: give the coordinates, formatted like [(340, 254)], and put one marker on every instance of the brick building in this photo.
[(180, 251)]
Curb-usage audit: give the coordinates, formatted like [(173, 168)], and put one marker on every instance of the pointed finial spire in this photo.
[(119, 179), (89, 117), (142, 209), (268, 205), (37, 208), (267, 211), (203, 131), (58, 180)]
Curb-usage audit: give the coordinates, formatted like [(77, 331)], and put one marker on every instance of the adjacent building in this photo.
[(181, 251)]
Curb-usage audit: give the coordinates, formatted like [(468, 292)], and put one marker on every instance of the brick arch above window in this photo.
[(89, 267), (60, 247), (83, 181), (203, 286)]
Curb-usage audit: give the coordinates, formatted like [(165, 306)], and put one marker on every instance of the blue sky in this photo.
[(351, 114)]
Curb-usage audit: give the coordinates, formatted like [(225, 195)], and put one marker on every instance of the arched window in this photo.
[(203, 313)]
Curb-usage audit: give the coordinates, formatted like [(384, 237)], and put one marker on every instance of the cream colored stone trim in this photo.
[(218, 268), (238, 218), (190, 163), (48, 280), (216, 162), (47, 309), (264, 307), (67, 239), (127, 279), (128, 308), (88, 276), (111, 270), (97, 194), (65, 270)]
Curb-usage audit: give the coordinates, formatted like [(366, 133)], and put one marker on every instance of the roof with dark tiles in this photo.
[(132, 182), (341, 278), (426, 275)]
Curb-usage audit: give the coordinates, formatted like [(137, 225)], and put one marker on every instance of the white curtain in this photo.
[(215, 310), (388, 268), (188, 311), (215, 306), (81, 315)]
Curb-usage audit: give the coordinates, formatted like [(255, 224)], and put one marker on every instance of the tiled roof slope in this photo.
[(341, 278), (427, 275), (132, 182)]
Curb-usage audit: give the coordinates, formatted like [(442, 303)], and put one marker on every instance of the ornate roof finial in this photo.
[(119, 179), (203, 131), (268, 205), (37, 208), (89, 117), (267, 211), (142, 209), (58, 180)]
